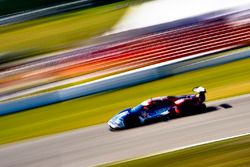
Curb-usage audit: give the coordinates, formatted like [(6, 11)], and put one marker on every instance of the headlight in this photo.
[(118, 121)]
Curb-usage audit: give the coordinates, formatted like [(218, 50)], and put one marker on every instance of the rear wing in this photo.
[(199, 89)]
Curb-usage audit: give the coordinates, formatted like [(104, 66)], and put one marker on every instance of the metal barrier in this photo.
[(126, 79)]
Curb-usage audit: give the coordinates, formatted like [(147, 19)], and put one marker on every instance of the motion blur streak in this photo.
[(94, 62), (96, 145)]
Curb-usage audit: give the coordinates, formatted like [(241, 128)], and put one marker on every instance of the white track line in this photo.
[(181, 148)]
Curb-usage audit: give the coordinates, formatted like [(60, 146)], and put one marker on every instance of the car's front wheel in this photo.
[(165, 118), (132, 121)]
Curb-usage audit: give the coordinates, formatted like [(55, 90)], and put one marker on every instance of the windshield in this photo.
[(150, 106), (137, 108)]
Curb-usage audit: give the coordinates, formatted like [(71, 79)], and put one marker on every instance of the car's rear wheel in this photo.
[(186, 108), (201, 108)]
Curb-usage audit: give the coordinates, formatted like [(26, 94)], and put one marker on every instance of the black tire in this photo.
[(186, 108), (202, 108), (165, 118), (131, 121)]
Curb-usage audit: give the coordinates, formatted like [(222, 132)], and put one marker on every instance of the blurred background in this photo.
[(75, 63)]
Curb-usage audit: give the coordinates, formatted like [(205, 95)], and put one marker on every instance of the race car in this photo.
[(160, 108)]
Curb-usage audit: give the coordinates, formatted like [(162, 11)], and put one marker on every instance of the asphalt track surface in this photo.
[(97, 145)]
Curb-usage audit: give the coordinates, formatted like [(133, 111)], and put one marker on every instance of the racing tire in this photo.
[(202, 108), (165, 118), (186, 108), (132, 121)]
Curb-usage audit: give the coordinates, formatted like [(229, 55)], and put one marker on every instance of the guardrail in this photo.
[(126, 79), (130, 36)]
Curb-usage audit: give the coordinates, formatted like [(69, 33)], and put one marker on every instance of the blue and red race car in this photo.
[(160, 108)]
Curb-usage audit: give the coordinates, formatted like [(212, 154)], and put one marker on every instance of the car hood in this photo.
[(122, 114), (117, 120)]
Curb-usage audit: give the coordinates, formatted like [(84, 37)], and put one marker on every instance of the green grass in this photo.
[(221, 81), (60, 31), (228, 153)]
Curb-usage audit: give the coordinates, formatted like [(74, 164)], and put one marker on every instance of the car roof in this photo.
[(155, 99)]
